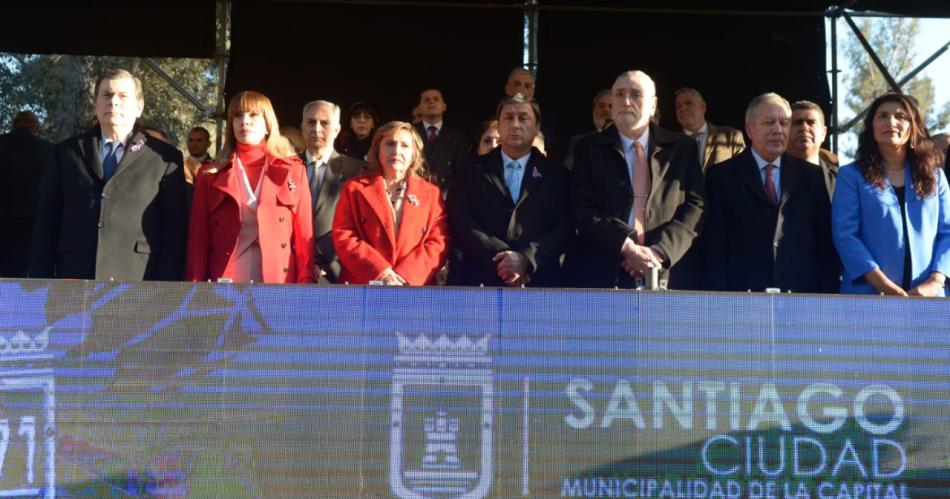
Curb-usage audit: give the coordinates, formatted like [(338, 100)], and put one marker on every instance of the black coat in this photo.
[(443, 155), (484, 220), (752, 245), (340, 168), (131, 228), (602, 197), (23, 159)]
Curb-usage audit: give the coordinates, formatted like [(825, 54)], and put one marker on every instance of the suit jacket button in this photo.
[(280, 219), (285, 270), (283, 245), (101, 225)]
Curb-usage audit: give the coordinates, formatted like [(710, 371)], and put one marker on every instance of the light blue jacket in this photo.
[(868, 231)]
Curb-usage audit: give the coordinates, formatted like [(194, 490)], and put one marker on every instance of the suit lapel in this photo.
[(532, 175), (275, 182), (331, 176), (89, 148), (413, 215), (375, 196), (228, 183), (494, 171), (133, 150), (710, 144), (791, 176), (749, 173)]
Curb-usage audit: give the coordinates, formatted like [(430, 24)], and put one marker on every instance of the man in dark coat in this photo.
[(113, 200), (326, 171), (444, 145), (23, 157), (508, 209), (637, 193), (768, 218)]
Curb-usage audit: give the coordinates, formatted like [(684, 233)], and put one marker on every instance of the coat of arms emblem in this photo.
[(441, 417)]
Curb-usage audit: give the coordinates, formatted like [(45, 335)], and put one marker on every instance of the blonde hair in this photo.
[(418, 166), (251, 101)]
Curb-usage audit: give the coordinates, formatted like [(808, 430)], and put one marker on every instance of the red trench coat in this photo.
[(283, 214), (365, 238)]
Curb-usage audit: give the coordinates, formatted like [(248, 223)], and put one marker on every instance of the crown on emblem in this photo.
[(20, 343), (443, 346)]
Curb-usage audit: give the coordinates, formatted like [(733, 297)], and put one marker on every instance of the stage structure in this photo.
[(200, 390), (386, 52)]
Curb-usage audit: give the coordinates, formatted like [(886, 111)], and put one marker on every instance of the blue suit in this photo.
[(868, 230)]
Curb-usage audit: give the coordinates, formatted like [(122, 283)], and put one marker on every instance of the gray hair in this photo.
[(636, 73), (334, 109), (763, 98)]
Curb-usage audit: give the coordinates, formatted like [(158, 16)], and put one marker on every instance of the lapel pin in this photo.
[(535, 173), (291, 185), (137, 145), (413, 199)]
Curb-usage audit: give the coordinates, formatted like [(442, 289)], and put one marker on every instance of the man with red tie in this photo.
[(637, 193), (768, 218), (445, 145)]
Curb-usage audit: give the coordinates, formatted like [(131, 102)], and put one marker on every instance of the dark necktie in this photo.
[(433, 133), (770, 185), (111, 161)]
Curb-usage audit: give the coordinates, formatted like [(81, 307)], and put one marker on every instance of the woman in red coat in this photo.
[(250, 216), (389, 224)]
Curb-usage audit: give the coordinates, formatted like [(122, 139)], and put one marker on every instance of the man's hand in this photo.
[(512, 267), (637, 259)]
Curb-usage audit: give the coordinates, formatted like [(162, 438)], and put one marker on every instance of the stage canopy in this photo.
[(385, 53)]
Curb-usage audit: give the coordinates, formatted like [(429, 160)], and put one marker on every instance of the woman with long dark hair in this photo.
[(891, 208), (358, 128)]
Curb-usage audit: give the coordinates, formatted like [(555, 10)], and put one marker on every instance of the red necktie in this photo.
[(433, 133), (769, 185)]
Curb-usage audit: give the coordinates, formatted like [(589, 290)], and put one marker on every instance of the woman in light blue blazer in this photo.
[(891, 211)]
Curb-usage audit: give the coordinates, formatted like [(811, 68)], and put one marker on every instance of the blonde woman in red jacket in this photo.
[(250, 217), (390, 224)]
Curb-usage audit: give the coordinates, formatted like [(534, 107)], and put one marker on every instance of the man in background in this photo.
[(807, 133), (444, 144), (716, 143), (23, 158), (326, 171)]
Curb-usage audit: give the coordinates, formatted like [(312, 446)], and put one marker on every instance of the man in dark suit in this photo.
[(806, 134), (716, 143), (510, 222), (326, 172), (444, 145), (600, 113), (768, 217), (113, 201), (637, 193), (23, 158)]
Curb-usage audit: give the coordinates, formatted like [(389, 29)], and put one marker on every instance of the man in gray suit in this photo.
[(326, 172), (113, 199)]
